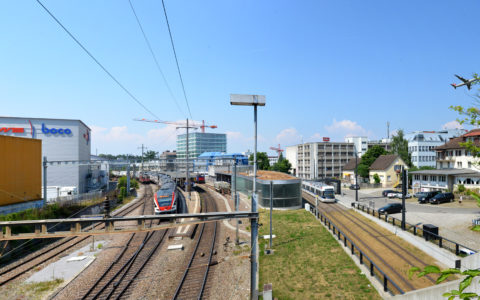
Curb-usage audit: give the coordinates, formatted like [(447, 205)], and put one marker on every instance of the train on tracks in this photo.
[(144, 178), (324, 192), (166, 198)]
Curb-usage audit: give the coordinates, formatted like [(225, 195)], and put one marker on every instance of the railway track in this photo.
[(381, 247), (116, 280), (18, 268), (193, 284)]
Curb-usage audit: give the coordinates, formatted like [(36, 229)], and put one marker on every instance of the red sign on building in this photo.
[(12, 129), (326, 139)]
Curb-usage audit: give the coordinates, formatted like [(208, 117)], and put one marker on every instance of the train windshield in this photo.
[(329, 194), (164, 201)]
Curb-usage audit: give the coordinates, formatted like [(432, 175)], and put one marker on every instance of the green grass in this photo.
[(308, 263), (34, 290), (476, 228)]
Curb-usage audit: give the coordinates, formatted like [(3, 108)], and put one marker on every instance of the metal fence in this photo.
[(76, 199), (375, 271), (416, 230)]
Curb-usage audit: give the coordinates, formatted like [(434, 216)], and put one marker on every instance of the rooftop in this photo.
[(383, 162), (271, 175)]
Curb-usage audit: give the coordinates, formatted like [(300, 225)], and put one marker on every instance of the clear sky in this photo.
[(327, 68)]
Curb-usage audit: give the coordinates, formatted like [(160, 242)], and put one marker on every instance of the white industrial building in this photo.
[(62, 140)]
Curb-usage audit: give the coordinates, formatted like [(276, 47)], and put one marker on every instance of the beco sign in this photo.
[(46, 130)]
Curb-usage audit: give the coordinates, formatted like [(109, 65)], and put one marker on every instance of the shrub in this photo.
[(376, 178), (122, 194), (461, 188)]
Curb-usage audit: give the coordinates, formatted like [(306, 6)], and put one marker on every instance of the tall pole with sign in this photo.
[(252, 100), (44, 180)]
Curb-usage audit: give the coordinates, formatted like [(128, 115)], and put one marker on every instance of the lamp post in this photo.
[(252, 100), (356, 173)]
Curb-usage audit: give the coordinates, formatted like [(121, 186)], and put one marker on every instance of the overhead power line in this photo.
[(154, 57), (176, 59), (96, 60)]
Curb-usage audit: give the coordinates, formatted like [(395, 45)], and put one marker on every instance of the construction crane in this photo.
[(278, 150)]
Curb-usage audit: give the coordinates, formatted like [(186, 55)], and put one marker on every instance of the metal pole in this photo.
[(188, 171), (254, 229), (235, 198), (44, 180), (356, 173), (271, 210), (404, 192), (128, 176)]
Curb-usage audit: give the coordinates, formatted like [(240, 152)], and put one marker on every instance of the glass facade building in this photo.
[(287, 194), (200, 142)]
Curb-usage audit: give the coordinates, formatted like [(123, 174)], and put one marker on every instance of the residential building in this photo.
[(200, 142), (387, 167), (362, 144), (422, 144), (272, 160), (167, 160), (321, 159), (348, 173), (62, 140), (455, 166), (291, 154)]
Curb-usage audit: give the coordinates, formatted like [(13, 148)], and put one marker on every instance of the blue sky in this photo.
[(327, 68)]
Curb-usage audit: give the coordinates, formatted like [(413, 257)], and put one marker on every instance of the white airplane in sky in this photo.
[(467, 82)]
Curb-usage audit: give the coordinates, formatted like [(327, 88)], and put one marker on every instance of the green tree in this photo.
[(150, 155), (262, 160), (122, 182), (282, 165), (368, 158), (400, 147), (376, 178)]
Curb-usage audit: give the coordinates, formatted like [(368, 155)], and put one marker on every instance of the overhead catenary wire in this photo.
[(176, 59), (154, 57), (96, 60)]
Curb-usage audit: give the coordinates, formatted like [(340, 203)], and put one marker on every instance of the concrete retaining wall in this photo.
[(471, 262), (436, 292), (13, 208)]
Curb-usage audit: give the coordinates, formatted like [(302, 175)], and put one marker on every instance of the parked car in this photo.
[(386, 192), (442, 197), (419, 194), (391, 208), (426, 198), (354, 187), (398, 195)]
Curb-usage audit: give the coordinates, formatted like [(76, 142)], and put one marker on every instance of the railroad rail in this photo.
[(193, 282), (439, 240), (117, 278), (393, 279), (16, 269)]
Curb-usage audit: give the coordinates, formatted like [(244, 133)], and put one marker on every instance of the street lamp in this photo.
[(356, 173), (252, 100)]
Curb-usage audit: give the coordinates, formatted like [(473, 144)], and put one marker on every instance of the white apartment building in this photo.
[(422, 144), (362, 144), (320, 159), (455, 165)]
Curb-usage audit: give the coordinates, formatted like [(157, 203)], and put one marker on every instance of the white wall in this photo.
[(71, 146)]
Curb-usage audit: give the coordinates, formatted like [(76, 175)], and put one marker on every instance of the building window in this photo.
[(433, 178), (425, 178), (442, 178), (459, 164)]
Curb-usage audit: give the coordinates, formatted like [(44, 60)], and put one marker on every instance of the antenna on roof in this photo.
[(388, 130)]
